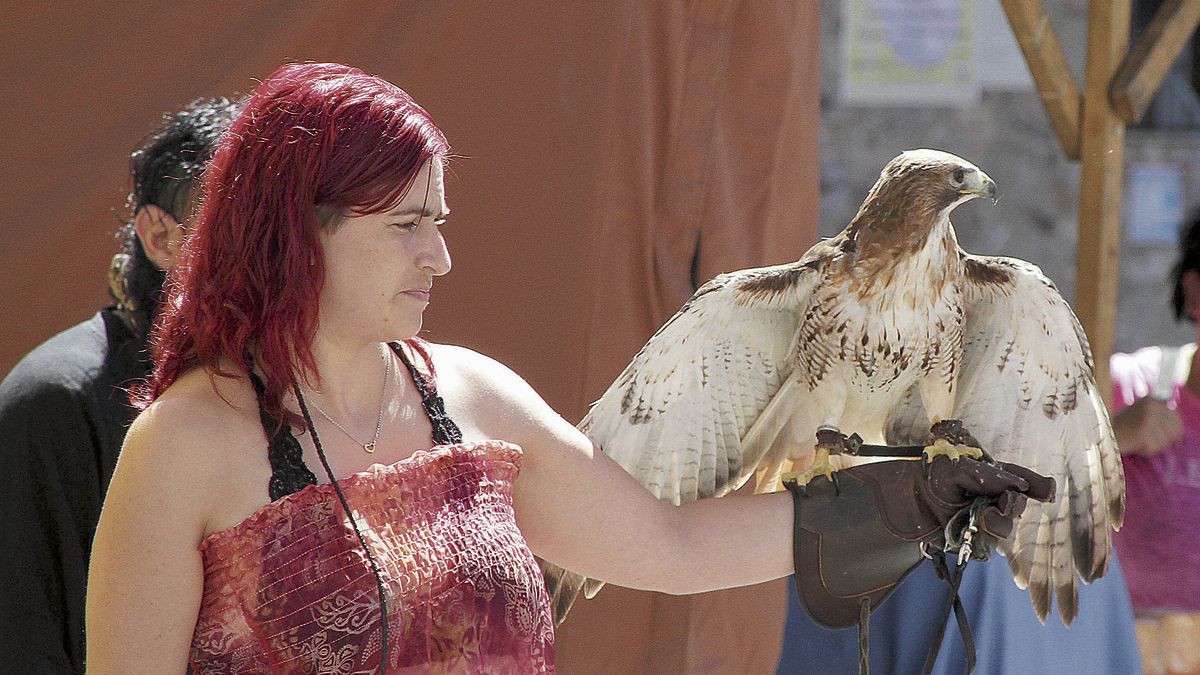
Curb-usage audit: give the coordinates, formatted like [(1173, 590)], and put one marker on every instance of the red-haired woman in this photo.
[(287, 342)]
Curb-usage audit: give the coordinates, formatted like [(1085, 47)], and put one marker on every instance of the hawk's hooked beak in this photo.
[(989, 190), (986, 188)]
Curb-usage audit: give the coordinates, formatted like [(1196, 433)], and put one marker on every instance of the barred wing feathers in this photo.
[(1027, 392), (717, 362), (676, 416)]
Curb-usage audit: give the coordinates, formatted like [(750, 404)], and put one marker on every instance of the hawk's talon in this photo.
[(794, 478), (951, 439), (943, 448), (954, 432), (821, 466), (830, 441)]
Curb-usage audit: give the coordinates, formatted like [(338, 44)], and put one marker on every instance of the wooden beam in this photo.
[(1055, 83), (1140, 76), (1102, 146)]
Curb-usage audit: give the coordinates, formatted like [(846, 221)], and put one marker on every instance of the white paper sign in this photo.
[(908, 52)]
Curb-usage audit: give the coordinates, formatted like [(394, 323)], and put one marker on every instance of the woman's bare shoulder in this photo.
[(473, 373), (198, 429), (183, 454), (200, 406), (499, 400)]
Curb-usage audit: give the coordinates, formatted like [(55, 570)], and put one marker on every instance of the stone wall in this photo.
[(1007, 134)]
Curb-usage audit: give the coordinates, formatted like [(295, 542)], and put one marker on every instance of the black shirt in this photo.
[(63, 416)]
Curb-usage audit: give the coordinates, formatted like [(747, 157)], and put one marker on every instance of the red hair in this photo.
[(315, 142)]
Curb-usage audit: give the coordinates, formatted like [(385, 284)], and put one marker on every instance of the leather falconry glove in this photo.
[(860, 535)]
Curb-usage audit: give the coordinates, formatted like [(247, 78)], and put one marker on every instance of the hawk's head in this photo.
[(938, 179), (918, 189)]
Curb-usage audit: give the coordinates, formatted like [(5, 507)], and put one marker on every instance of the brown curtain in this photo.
[(610, 156)]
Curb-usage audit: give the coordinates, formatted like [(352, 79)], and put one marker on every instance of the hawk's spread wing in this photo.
[(1027, 393), (676, 416)]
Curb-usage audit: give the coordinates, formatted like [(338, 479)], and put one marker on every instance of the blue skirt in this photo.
[(1008, 636)]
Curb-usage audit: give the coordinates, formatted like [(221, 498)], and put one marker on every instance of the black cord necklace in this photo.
[(383, 627)]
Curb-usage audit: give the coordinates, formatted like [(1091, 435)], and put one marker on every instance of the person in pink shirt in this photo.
[(1156, 401)]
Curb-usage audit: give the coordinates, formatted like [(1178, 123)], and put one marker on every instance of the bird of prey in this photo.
[(891, 331)]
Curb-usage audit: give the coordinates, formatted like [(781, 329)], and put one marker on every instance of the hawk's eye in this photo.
[(958, 176)]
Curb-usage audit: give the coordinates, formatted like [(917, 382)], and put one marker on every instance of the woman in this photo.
[(316, 248)]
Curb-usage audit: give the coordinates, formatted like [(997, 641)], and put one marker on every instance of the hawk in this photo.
[(891, 331)]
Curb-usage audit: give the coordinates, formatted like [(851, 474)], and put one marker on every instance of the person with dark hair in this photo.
[(288, 340), (164, 168), (64, 409), (1156, 398)]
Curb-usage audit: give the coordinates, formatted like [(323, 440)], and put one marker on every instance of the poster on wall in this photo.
[(1154, 205), (908, 52)]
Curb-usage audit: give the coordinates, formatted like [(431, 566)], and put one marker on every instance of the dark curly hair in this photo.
[(1189, 259), (164, 168)]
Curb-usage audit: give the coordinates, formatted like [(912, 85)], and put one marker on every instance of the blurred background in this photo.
[(610, 157)]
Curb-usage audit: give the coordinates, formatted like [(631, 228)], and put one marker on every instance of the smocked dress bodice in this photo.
[(290, 589)]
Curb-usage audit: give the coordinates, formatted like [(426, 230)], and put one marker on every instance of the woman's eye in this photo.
[(417, 223)]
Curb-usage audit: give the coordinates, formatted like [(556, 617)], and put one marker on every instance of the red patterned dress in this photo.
[(290, 589)]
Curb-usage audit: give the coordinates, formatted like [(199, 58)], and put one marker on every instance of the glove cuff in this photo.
[(844, 551)]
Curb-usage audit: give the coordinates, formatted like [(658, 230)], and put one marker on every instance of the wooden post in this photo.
[(1142, 72), (1044, 55), (1102, 145)]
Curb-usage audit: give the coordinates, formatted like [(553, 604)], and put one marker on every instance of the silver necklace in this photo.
[(368, 447)]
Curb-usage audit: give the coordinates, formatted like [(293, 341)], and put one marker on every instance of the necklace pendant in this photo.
[(369, 447)]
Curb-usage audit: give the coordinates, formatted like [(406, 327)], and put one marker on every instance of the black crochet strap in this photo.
[(445, 431), (289, 473)]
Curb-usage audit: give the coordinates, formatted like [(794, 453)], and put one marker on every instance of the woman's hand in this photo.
[(1147, 427), (886, 513)]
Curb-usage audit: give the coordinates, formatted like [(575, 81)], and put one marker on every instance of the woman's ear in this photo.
[(159, 233)]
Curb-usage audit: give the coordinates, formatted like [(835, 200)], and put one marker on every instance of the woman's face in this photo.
[(379, 268)]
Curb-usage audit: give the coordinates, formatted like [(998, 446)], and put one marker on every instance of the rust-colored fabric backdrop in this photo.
[(611, 155)]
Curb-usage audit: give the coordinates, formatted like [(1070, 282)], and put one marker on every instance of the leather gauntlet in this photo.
[(858, 537)]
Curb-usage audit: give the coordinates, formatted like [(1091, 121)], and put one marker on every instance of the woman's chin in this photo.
[(404, 330)]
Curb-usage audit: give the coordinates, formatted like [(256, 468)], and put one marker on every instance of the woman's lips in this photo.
[(423, 296)]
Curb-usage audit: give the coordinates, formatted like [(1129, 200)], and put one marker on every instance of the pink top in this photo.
[(289, 589), (1157, 545)]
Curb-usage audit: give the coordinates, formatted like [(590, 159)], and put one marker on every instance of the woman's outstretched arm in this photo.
[(582, 511)]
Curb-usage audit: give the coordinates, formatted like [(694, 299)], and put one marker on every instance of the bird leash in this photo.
[(960, 541), (960, 535)]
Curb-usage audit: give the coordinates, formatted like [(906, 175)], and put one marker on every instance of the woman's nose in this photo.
[(437, 256)]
